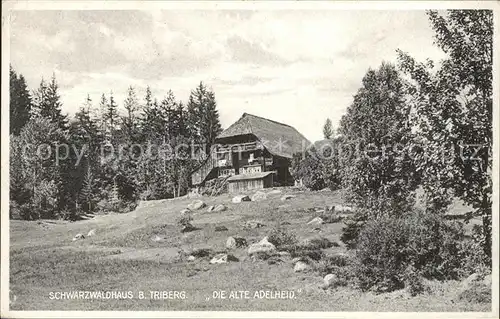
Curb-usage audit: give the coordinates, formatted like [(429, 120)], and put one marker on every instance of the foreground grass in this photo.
[(122, 257)]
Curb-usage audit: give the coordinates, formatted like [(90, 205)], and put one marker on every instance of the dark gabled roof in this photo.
[(278, 138)]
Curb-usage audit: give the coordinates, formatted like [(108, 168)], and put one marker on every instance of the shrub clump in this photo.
[(281, 237), (352, 228), (330, 218), (184, 220), (393, 251)]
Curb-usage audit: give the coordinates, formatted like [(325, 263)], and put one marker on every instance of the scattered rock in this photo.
[(258, 196), (157, 238), (221, 228), (316, 221), (326, 189), (187, 228), (263, 246), (197, 204), (241, 198), (342, 208), (330, 280), (297, 259), (274, 192), (316, 229), (284, 254), (236, 242), (300, 266), (285, 223), (251, 224), (274, 260), (223, 259), (201, 252), (78, 236), (287, 197), (316, 242), (220, 208), (210, 208), (91, 233), (185, 212), (191, 258)]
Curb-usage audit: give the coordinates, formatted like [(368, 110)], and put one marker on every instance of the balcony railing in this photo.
[(242, 147)]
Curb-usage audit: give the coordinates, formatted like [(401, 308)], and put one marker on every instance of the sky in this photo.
[(298, 67)]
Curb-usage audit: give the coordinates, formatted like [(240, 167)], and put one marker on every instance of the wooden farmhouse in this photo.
[(252, 153)]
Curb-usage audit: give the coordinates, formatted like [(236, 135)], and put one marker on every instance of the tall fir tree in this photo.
[(48, 103), (131, 105), (20, 102), (112, 118), (328, 129), (203, 117)]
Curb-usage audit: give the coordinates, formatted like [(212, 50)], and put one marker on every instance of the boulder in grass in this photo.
[(210, 208), (287, 197), (91, 233), (201, 252), (316, 242), (301, 266), (236, 242), (220, 208), (252, 224), (78, 237), (223, 259), (262, 247), (186, 228), (241, 198), (342, 208), (330, 280), (191, 258), (316, 221), (157, 238), (185, 212), (221, 228), (258, 196), (284, 254), (274, 192), (197, 204)]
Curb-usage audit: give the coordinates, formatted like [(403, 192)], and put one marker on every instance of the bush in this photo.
[(474, 257), (341, 266), (388, 248), (413, 281), (316, 243), (184, 220), (477, 287), (351, 230), (477, 293), (119, 206), (280, 237)]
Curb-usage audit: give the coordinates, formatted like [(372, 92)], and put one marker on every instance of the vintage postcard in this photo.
[(249, 159)]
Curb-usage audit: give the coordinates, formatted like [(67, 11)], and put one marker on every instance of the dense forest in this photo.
[(106, 157)]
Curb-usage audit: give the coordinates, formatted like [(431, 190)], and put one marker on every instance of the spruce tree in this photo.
[(111, 116), (328, 129), (20, 102), (48, 103), (203, 121)]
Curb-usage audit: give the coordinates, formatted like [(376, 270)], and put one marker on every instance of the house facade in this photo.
[(254, 152)]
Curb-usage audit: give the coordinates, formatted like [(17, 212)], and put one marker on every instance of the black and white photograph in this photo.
[(249, 159)]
